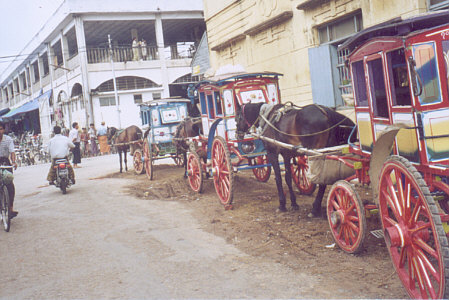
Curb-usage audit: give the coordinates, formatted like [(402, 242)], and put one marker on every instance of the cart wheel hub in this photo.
[(396, 236), (337, 217)]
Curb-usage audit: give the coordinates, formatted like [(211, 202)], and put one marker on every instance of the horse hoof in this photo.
[(281, 209), (313, 215), (295, 207)]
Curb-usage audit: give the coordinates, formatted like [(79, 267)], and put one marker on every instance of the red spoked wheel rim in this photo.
[(262, 174), (300, 168), (412, 228), (195, 172), (346, 216), (138, 162), (148, 160), (222, 171)]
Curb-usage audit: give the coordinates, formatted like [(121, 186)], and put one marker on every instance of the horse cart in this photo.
[(400, 80), (218, 153), (162, 118)]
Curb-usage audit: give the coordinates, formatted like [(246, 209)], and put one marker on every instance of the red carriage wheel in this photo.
[(299, 169), (148, 159), (138, 162), (413, 231), (195, 172), (262, 174), (346, 216), (222, 171)]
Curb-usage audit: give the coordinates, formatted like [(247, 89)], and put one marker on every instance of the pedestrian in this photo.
[(143, 46), (135, 46), (59, 147), (7, 155), (74, 136), (102, 138), (93, 139), (85, 142)]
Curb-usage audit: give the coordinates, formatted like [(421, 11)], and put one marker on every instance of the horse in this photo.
[(312, 126), (122, 139), (189, 127)]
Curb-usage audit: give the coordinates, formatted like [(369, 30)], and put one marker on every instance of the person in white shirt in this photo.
[(74, 137), (59, 147), (8, 158)]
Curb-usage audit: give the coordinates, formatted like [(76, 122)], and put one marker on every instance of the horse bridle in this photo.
[(244, 118)]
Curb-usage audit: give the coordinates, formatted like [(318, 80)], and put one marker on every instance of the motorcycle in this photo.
[(62, 174)]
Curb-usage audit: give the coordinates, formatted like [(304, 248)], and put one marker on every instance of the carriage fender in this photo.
[(381, 151), (211, 137)]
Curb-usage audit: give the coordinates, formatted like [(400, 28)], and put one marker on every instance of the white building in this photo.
[(66, 68)]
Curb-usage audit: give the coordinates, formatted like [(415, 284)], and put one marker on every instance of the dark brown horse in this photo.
[(312, 127), (189, 127), (122, 139)]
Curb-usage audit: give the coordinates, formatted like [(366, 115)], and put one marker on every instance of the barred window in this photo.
[(107, 101), (126, 83)]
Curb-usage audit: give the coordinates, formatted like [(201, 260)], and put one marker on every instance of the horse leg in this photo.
[(316, 207), (120, 159), (125, 159), (288, 181), (273, 158), (184, 154)]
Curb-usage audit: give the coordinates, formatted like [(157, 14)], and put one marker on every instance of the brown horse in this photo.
[(312, 127), (189, 127), (122, 139)]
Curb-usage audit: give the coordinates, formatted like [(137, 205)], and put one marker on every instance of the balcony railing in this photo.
[(121, 54)]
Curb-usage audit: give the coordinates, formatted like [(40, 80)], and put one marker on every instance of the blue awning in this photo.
[(27, 107)]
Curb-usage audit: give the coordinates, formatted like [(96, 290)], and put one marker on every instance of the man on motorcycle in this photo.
[(59, 147), (7, 152)]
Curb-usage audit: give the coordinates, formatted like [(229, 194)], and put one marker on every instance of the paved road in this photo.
[(98, 242)]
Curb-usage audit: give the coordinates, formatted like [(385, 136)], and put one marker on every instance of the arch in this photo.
[(61, 97), (77, 90), (126, 83), (187, 78)]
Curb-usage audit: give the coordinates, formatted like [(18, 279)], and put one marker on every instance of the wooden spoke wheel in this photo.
[(148, 161), (300, 168), (222, 171), (138, 162), (346, 216), (195, 172), (262, 174), (179, 159), (413, 231)]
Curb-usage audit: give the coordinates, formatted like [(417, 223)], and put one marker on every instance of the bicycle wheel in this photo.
[(4, 207)]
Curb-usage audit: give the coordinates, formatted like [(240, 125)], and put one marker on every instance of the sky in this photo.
[(20, 21)]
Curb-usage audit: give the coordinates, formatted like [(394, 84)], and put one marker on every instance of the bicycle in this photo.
[(5, 212)]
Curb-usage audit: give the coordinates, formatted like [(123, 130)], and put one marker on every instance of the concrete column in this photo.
[(51, 70), (82, 52), (28, 75), (160, 48)]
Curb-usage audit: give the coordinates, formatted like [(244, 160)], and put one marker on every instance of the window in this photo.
[(157, 96), (57, 52), (126, 83), (137, 98), (210, 106), (107, 101), (426, 68), (340, 29), (45, 66), (35, 67), (359, 83), (23, 81), (218, 108), (203, 104), (400, 88), (72, 45), (377, 86)]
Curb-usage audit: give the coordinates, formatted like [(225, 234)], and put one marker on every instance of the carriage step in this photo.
[(378, 233)]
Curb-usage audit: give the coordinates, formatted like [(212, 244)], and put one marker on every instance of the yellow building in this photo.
[(298, 38)]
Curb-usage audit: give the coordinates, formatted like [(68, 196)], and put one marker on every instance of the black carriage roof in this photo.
[(225, 78), (165, 101), (397, 27)]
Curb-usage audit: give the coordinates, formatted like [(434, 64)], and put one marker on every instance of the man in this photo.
[(59, 147), (74, 137), (93, 139), (103, 139), (7, 152)]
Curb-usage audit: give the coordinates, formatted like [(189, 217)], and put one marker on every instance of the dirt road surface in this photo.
[(122, 236)]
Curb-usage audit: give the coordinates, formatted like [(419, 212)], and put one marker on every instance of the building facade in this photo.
[(299, 39), (97, 62)]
